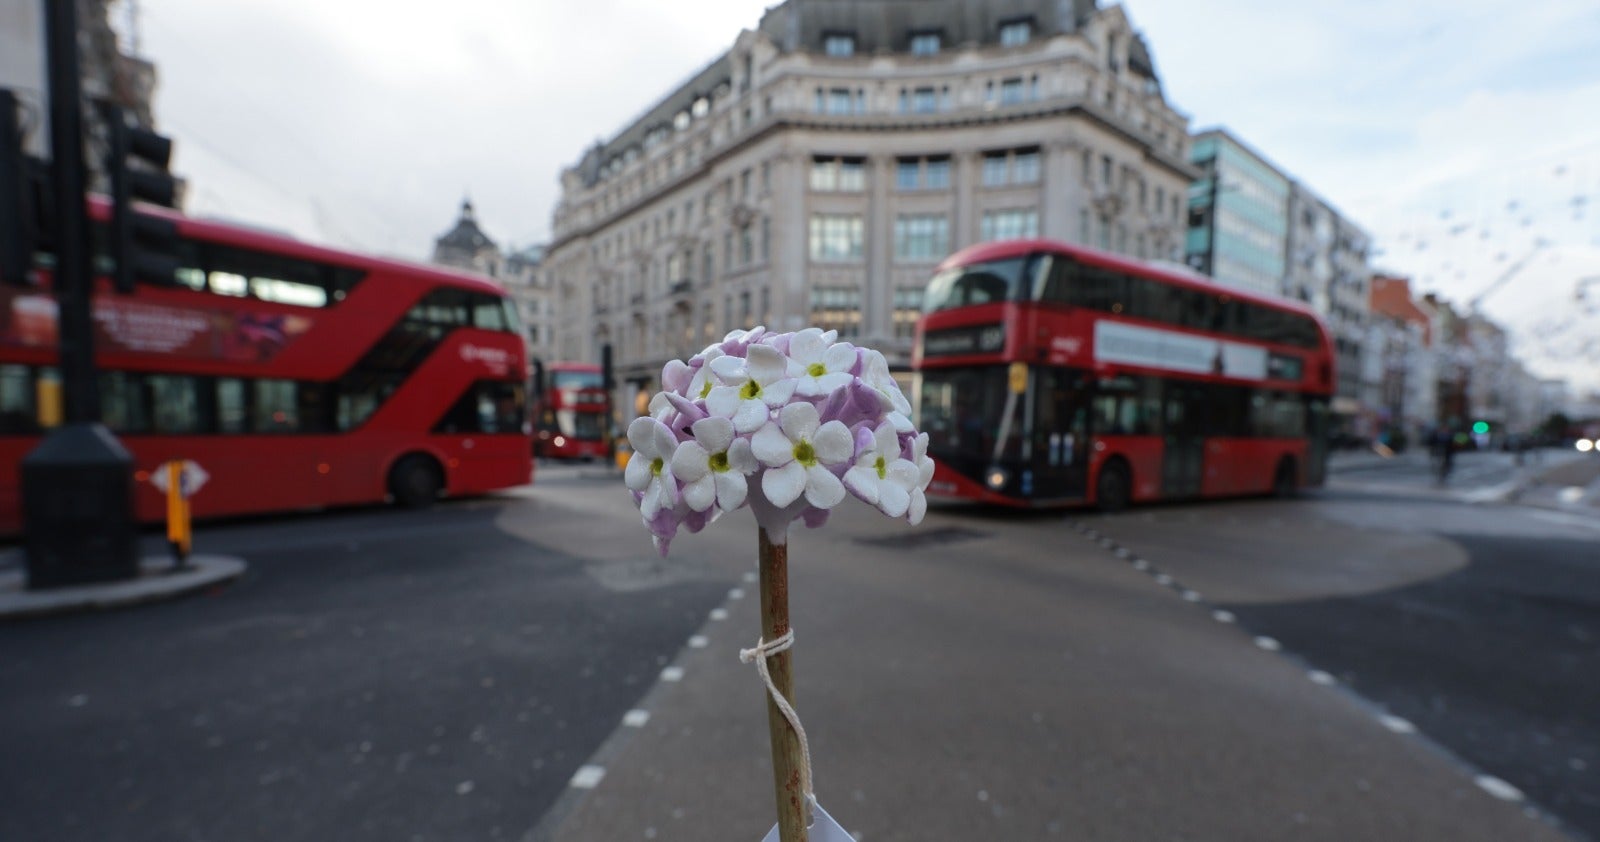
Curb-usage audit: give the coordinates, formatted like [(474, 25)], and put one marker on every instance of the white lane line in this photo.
[(1222, 616), (1396, 724), (699, 641), (1122, 552), (1141, 564), (636, 718), (588, 777), (1191, 596), (719, 613), (672, 674), (736, 593), (1163, 579), (1268, 643), (1320, 677), (1566, 519), (1498, 788), (751, 577)]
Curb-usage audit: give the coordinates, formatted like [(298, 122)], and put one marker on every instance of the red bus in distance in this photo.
[(1051, 374), (297, 376), (572, 412)]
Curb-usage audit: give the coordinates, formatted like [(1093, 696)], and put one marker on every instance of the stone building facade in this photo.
[(1327, 265), (519, 271), (818, 171)]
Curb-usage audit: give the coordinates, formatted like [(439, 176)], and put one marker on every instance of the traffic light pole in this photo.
[(71, 225), (77, 485)]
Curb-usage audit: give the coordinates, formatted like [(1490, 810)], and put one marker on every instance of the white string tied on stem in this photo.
[(758, 656)]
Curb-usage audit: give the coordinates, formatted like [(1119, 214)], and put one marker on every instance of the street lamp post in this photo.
[(77, 485)]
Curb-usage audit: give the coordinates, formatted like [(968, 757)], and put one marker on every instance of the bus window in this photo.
[(980, 283)]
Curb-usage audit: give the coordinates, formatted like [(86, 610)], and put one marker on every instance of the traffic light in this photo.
[(1480, 427), (143, 247), (16, 247)]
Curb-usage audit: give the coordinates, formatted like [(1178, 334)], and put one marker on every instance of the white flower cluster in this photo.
[(799, 416)]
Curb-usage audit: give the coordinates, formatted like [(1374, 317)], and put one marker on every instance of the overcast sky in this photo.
[(1457, 132)]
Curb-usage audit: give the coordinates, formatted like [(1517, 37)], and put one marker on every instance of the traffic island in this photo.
[(158, 579)]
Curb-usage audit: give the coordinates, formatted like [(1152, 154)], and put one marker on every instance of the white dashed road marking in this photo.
[(1222, 616), (672, 674), (1498, 788), (1396, 724), (588, 777), (636, 718), (1268, 643)]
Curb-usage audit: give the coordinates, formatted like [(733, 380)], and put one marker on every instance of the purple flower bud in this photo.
[(814, 517), (675, 376), (688, 412)]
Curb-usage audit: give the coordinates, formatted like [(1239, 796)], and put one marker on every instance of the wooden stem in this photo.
[(785, 743)]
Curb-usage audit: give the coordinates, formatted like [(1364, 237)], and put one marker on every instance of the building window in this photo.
[(839, 45), (1025, 166), (1010, 91), (925, 44), (844, 175), (1009, 224), (1015, 33), (746, 246), (907, 309), (840, 101), (837, 308), (1011, 166), (836, 237), (921, 101), (922, 174), (994, 169), (921, 237)]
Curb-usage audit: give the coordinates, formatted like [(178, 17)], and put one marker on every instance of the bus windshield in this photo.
[(980, 283), (577, 380)]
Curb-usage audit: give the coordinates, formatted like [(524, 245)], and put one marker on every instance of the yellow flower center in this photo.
[(718, 462), (750, 390), (816, 370), (882, 468), (705, 390), (805, 454), (656, 466)]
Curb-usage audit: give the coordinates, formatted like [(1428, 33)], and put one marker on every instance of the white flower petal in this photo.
[(637, 475), (892, 499), (652, 502), (771, 446), (919, 506), (750, 416), (832, 443), (784, 485), (919, 446), (806, 347), (723, 401), (666, 443), (901, 423), (840, 357), (823, 489), (902, 473), (765, 364), (660, 407), (701, 493), (862, 482), (714, 434), (799, 421), (731, 490), (689, 463), (730, 369), (641, 436), (897, 399), (778, 392), (829, 336), (740, 458), (884, 441), (833, 381), (924, 472), (675, 375)]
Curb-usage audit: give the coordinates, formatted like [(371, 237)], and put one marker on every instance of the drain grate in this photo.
[(926, 537)]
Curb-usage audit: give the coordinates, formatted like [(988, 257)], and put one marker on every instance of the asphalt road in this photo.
[(522, 667), (375, 676)]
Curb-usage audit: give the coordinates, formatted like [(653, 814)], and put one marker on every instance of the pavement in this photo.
[(1543, 477), (158, 579)]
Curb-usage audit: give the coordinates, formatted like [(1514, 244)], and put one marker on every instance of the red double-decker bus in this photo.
[(572, 411), (296, 376), (1049, 374)]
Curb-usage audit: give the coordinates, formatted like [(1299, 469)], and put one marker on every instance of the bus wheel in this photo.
[(415, 481), (1286, 481), (1114, 488)]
